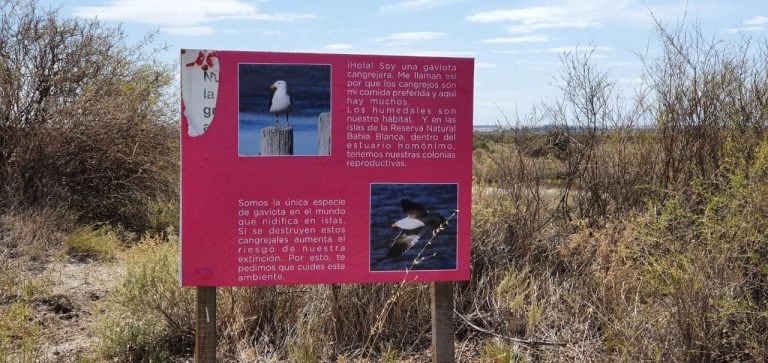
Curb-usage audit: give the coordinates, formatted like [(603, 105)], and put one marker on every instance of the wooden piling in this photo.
[(324, 134), (205, 325), (276, 140), (442, 322)]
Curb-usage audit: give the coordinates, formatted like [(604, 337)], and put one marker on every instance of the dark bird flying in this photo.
[(411, 227)]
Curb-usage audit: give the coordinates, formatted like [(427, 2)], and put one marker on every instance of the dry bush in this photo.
[(705, 93), (610, 156), (84, 119), (702, 101)]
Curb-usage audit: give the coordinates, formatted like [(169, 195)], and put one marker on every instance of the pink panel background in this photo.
[(214, 177)]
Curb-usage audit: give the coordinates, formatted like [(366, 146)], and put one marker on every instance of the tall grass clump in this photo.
[(90, 242), (323, 323), (28, 240)]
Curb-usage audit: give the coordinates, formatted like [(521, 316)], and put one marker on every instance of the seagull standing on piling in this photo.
[(281, 101)]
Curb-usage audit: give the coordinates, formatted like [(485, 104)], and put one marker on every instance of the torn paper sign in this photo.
[(199, 88)]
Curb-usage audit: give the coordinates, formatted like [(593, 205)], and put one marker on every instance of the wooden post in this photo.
[(324, 134), (442, 322), (205, 326), (276, 141)]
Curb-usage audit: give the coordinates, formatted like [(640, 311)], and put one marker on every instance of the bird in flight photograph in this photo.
[(413, 227)]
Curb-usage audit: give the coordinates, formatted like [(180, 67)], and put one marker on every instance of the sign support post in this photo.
[(442, 322), (205, 326)]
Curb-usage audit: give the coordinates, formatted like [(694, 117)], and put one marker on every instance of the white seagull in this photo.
[(281, 101)]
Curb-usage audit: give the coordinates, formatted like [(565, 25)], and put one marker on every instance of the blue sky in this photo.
[(516, 44)]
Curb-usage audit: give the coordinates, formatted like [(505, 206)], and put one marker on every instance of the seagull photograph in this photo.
[(413, 227), (283, 96), (281, 101)]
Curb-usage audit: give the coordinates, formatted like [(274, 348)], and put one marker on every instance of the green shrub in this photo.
[(700, 272), (148, 316)]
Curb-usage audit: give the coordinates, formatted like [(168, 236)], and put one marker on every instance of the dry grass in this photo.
[(90, 242), (47, 300)]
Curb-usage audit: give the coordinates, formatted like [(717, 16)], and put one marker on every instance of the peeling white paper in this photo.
[(199, 88)]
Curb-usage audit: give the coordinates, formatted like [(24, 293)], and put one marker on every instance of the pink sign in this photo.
[(324, 168)]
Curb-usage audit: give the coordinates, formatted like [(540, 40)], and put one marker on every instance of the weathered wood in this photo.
[(205, 326), (442, 322), (276, 141), (324, 134)]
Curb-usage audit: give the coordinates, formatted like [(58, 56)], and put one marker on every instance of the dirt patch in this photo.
[(70, 311), (61, 306)]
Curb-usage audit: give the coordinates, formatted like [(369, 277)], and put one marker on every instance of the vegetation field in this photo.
[(633, 228)]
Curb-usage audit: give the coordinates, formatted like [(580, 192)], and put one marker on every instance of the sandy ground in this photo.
[(79, 291)]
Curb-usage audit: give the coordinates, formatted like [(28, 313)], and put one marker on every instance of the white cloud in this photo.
[(538, 38), (415, 5), (523, 15), (531, 28), (757, 20), (338, 46), (566, 14), (754, 24), (531, 20), (176, 16), (745, 29), (580, 49), (399, 39)]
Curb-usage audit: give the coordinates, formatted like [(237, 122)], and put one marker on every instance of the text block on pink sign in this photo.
[(304, 168)]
